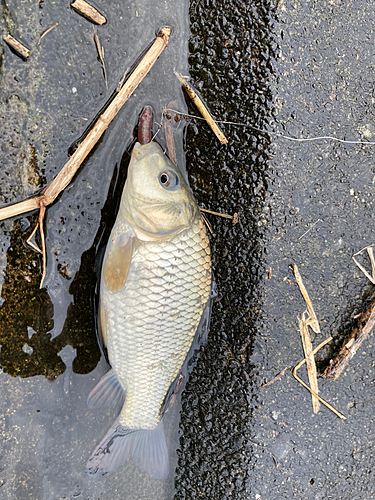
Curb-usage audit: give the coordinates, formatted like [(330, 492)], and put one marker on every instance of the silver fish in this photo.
[(155, 286)]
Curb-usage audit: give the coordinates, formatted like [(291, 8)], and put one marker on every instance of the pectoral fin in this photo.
[(117, 264)]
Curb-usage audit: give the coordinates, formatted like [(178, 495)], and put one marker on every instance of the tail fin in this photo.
[(146, 448)]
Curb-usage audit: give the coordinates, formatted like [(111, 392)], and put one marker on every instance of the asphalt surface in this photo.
[(291, 69)]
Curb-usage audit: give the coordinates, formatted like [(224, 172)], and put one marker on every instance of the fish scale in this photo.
[(147, 350)]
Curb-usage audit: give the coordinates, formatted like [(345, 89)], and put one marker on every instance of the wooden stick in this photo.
[(202, 109), (19, 47), (310, 360), (352, 343), (313, 319), (66, 174), (88, 11), (340, 415)]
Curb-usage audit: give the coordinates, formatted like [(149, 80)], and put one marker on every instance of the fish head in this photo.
[(156, 199)]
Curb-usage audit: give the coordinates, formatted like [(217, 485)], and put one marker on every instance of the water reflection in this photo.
[(26, 316)]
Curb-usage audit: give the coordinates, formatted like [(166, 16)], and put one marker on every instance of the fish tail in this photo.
[(147, 449)]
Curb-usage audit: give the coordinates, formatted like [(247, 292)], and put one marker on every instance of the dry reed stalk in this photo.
[(313, 322), (310, 360), (226, 216), (100, 51), (371, 255), (330, 407), (47, 31), (277, 377), (202, 109)]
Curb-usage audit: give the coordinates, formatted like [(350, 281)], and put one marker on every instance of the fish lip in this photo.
[(141, 151)]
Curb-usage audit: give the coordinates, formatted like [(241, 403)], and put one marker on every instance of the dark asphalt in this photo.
[(291, 68)]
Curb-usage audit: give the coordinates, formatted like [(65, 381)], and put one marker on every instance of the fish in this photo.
[(155, 291)]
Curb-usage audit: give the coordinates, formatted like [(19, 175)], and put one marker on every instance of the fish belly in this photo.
[(152, 321)]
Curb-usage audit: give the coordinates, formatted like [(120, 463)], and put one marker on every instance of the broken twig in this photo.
[(352, 343), (100, 51), (88, 11), (361, 331), (168, 132), (340, 415), (278, 376), (66, 174), (16, 45), (47, 31), (226, 216), (313, 319), (370, 252), (202, 109), (310, 360)]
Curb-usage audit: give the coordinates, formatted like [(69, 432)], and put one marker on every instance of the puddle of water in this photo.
[(47, 102)]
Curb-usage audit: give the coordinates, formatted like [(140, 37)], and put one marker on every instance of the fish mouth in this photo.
[(141, 151)]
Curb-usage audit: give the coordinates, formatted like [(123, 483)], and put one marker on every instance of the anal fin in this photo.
[(107, 392)]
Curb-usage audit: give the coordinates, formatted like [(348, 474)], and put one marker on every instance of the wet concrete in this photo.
[(299, 70)]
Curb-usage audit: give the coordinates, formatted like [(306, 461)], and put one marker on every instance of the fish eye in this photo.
[(169, 179)]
